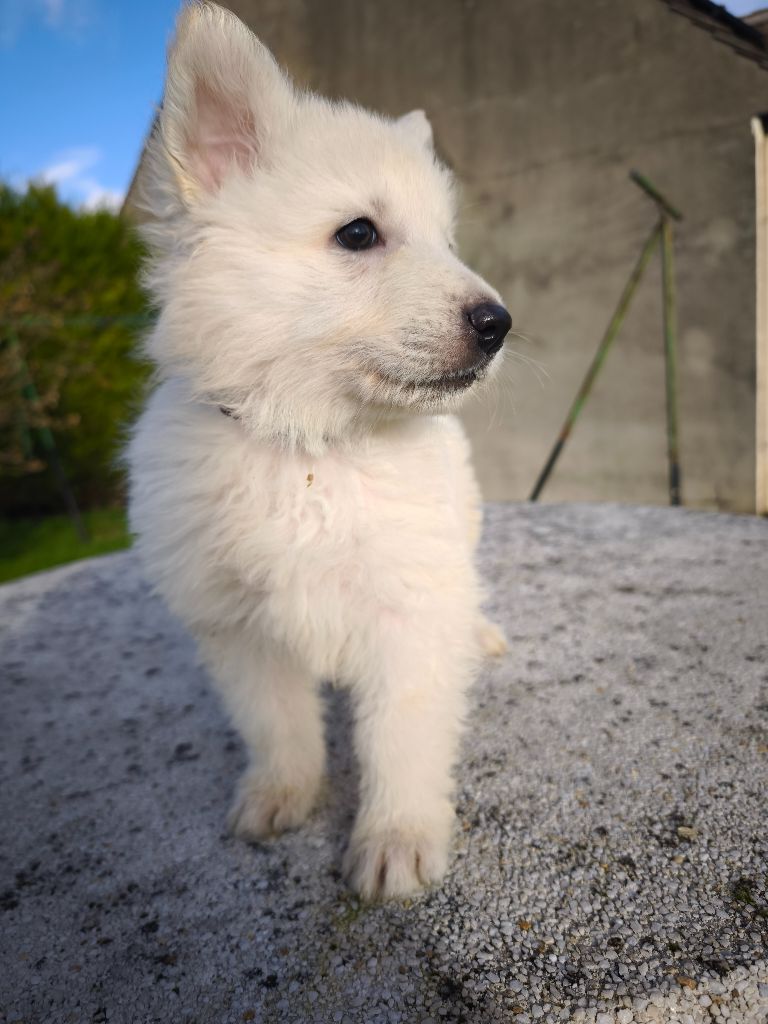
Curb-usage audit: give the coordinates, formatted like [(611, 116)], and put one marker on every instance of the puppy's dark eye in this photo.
[(358, 234)]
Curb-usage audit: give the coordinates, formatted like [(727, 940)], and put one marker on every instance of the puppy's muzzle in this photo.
[(490, 324)]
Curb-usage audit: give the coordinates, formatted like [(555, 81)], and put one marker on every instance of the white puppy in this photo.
[(300, 496)]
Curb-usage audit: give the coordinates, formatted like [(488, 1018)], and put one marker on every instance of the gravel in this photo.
[(610, 860)]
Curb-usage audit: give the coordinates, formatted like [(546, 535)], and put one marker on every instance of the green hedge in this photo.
[(32, 545), (71, 315)]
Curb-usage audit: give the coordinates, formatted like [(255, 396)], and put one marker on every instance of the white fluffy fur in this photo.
[(326, 529)]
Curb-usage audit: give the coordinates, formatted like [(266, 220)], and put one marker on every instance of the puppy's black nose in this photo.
[(491, 323)]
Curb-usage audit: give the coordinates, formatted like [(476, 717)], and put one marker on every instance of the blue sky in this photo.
[(80, 80)]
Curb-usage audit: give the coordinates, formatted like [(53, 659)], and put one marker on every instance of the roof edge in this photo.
[(746, 39)]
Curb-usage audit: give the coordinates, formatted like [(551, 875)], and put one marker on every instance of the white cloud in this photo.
[(68, 172), (70, 165), (54, 11), (68, 17), (98, 197)]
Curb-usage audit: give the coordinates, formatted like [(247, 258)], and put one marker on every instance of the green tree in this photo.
[(71, 314)]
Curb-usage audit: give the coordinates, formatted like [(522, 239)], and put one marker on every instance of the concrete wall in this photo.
[(542, 108)]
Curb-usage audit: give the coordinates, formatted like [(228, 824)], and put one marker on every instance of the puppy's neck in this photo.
[(357, 434)]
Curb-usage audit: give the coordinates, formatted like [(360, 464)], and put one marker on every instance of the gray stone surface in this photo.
[(610, 860)]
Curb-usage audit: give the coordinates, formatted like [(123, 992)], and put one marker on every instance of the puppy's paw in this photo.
[(262, 809), (492, 641), (395, 862)]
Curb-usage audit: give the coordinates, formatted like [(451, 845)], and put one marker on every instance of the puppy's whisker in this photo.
[(539, 369)]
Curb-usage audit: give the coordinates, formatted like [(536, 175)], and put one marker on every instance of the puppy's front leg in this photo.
[(275, 705), (408, 715)]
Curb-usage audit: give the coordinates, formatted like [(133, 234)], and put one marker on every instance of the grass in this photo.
[(31, 545)]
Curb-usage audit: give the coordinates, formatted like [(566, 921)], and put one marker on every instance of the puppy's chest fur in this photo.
[(310, 550)]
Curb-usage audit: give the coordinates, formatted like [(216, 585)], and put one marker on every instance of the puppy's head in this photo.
[(304, 259)]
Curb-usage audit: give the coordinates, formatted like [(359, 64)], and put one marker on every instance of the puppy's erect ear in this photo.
[(416, 124), (224, 97)]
